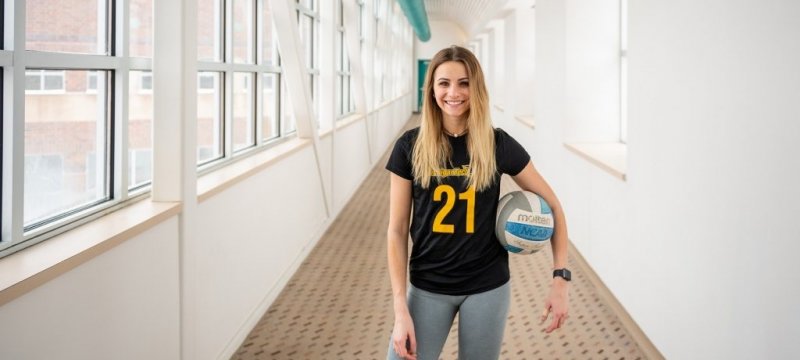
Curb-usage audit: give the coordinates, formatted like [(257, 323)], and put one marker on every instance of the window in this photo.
[(243, 111), (91, 82), (343, 78), (141, 167), (243, 31), (77, 132), (307, 19), (362, 24), (207, 82), (238, 81), (270, 129), (69, 144), (145, 81), (44, 181), (141, 28), (140, 128), (44, 81), (209, 117)]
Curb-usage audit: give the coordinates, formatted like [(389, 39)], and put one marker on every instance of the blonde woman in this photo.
[(448, 171)]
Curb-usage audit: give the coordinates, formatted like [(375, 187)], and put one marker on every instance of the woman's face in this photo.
[(451, 89)]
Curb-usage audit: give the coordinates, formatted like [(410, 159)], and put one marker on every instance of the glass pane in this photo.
[(209, 116), (269, 44), (339, 49), (65, 148), (339, 14), (33, 80), (339, 95), (306, 28), (315, 98), (243, 111), (53, 81), (141, 23), (243, 31), (146, 82), (66, 26), (288, 125), (209, 30), (308, 4), (270, 120), (91, 80), (140, 129), (346, 94), (352, 104)]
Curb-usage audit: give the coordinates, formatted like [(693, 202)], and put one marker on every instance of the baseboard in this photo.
[(638, 336)]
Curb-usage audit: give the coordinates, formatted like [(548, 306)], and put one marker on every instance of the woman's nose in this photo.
[(452, 90)]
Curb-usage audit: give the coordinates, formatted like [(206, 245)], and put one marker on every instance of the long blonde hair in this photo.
[(432, 149)]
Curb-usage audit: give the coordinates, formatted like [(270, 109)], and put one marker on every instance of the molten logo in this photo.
[(535, 219)]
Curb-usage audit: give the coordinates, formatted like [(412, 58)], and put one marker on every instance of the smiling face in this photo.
[(451, 89)]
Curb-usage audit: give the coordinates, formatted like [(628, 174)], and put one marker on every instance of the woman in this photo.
[(449, 168)]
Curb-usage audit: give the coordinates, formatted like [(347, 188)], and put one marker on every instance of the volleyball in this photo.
[(524, 222)]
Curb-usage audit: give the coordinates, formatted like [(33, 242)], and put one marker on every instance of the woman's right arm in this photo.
[(397, 238)]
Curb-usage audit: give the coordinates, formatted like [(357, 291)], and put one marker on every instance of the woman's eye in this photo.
[(464, 84), (443, 84)]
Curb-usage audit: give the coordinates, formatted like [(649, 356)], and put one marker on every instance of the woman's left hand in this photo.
[(557, 303)]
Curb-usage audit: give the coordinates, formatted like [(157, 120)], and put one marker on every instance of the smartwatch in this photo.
[(564, 273)]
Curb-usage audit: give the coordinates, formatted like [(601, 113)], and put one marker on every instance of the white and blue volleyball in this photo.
[(524, 222)]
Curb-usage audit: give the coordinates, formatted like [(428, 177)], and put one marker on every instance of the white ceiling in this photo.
[(470, 15)]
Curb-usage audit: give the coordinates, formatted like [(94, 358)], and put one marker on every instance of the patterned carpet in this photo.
[(338, 304)]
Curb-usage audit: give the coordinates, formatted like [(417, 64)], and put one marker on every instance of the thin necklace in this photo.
[(454, 135)]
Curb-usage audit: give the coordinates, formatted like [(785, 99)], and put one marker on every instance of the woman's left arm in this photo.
[(558, 302)]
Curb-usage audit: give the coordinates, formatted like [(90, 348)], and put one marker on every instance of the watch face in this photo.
[(564, 273)]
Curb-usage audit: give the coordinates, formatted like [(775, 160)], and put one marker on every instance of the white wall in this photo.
[(123, 304), (592, 70), (714, 109), (443, 34), (700, 243), (519, 79)]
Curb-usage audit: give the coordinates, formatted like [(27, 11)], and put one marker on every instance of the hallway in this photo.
[(338, 305)]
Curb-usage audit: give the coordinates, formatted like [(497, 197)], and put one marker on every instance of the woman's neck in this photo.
[(454, 127)]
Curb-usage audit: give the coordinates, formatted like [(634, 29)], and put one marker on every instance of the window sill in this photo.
[(220, 179), (527, 120), (609, 156), (27, 269)]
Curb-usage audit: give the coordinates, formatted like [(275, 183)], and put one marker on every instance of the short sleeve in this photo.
[(511, 156), (400, 159)]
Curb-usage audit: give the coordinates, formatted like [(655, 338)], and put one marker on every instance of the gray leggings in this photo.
[(481, 322)]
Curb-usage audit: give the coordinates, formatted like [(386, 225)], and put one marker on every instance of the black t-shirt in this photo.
[(455, 250)]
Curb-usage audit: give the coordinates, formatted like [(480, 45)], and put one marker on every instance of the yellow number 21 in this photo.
[(469, 196)]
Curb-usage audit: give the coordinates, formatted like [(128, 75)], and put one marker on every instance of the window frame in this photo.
[(312, 15), (228, 68), (344, 92), (115, 62)]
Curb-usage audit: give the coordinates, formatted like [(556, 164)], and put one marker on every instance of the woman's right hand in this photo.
[(403, 339)]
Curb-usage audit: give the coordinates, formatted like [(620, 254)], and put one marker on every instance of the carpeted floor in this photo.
[(338, 304)]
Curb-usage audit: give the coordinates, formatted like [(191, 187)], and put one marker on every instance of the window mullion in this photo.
[(227, 81), (46, 60), (13, 135), (136, 63)]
